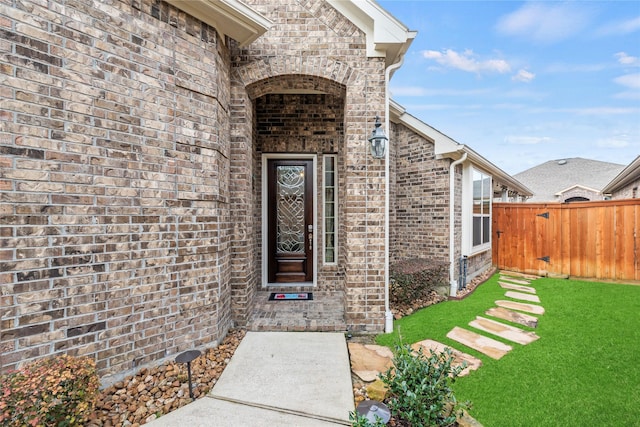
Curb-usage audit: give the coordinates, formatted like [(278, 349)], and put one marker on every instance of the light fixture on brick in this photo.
[(378, 141)]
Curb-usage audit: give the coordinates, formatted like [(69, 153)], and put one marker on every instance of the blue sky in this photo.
[(525, 82)]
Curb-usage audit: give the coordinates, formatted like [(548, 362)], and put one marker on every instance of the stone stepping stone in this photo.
[(519, 275), (473, 363), (520, 288), (508, 332), (513, 316), (522, 296), (489, 346), (520, 306), (368, 360), (518, 281)]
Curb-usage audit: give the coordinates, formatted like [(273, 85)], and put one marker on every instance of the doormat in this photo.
[(291, 296)]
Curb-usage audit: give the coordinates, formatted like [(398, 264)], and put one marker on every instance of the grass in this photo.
[(583, 371)]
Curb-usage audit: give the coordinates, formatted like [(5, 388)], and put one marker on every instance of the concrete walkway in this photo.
[(277, 378)]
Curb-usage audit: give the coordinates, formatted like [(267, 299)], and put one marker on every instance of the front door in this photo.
[(290, 220)]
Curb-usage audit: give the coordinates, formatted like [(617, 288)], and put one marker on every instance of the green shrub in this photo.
[(413, 279), (59, 391), (420, 387), (362, 421)]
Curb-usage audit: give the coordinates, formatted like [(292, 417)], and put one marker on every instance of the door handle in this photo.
[(310, 236)]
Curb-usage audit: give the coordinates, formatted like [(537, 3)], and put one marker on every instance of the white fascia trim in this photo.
[(561, 192), (627, 176), (446, 147), (386, 36), (229, 17)]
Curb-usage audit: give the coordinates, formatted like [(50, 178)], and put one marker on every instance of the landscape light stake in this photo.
[(187, 357)]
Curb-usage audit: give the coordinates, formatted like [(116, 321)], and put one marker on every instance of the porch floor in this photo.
[(325, 313)]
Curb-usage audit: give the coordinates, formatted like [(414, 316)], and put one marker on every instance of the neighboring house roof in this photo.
[(229, 17), (446, 147), (627, 176), (551, 179)]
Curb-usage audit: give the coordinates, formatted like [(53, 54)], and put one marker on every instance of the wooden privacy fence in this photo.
[(588, 239)]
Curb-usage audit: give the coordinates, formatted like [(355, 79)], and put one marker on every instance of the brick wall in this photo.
[(114, 192), (309, 45), (421, 200), (629, 191)]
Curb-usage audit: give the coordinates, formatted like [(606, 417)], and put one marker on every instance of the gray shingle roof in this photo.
[(551, 177)]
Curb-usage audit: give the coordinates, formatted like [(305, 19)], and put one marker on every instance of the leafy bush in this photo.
[(420, 387), (412, 279), (358, 420), (59, 391)]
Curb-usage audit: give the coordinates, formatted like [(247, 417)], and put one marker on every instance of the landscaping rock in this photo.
[(155, 391), (513, 316), (528, 308), (508, 332), (368, 360), (377, 390), (473, 363), (522, 296), (490, 347)]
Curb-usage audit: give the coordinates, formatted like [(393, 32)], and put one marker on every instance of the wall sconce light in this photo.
[(378, 141)]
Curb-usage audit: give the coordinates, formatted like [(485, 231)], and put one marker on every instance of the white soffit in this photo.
[(626, 177), (229, 17), (386, 36)]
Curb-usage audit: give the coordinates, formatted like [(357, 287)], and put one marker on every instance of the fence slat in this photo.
[(588, 239)]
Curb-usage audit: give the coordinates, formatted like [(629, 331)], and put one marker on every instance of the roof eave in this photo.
[(229, 17), (386, 37), (625, 177), (446, 147)]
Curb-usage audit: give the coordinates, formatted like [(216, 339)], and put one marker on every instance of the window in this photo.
[(481, 222), (330, 208)]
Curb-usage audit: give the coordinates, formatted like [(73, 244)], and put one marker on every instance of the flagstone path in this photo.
[(368, 359)]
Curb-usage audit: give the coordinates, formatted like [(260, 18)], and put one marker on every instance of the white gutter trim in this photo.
[(388, 315), (229, 17), (453, 284)]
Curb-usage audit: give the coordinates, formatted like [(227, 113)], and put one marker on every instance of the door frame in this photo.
[(265, 222)]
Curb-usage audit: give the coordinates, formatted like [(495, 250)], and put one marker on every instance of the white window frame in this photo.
[(468, 247), (325, 160)]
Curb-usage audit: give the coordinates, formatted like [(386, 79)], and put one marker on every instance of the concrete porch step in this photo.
[(325, 313), (515, 287), (508, 332), (522, 296), (490, 347), (527, 308), (513, 316)]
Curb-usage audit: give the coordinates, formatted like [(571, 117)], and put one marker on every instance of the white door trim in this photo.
[(265, 239)]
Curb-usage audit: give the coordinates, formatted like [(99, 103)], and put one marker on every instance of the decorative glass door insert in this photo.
[(290, 220)]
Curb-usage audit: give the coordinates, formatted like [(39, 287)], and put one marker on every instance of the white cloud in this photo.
[(625, 59), (523, 76), (619, 27), (467, 61), (629, 80), (526, 140), (545, 22)]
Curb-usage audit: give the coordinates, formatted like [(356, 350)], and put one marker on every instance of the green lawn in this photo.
[(583, 371)]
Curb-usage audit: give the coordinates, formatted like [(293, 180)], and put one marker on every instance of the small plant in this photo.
[(358, 420), (420, 387), (59, 391)]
